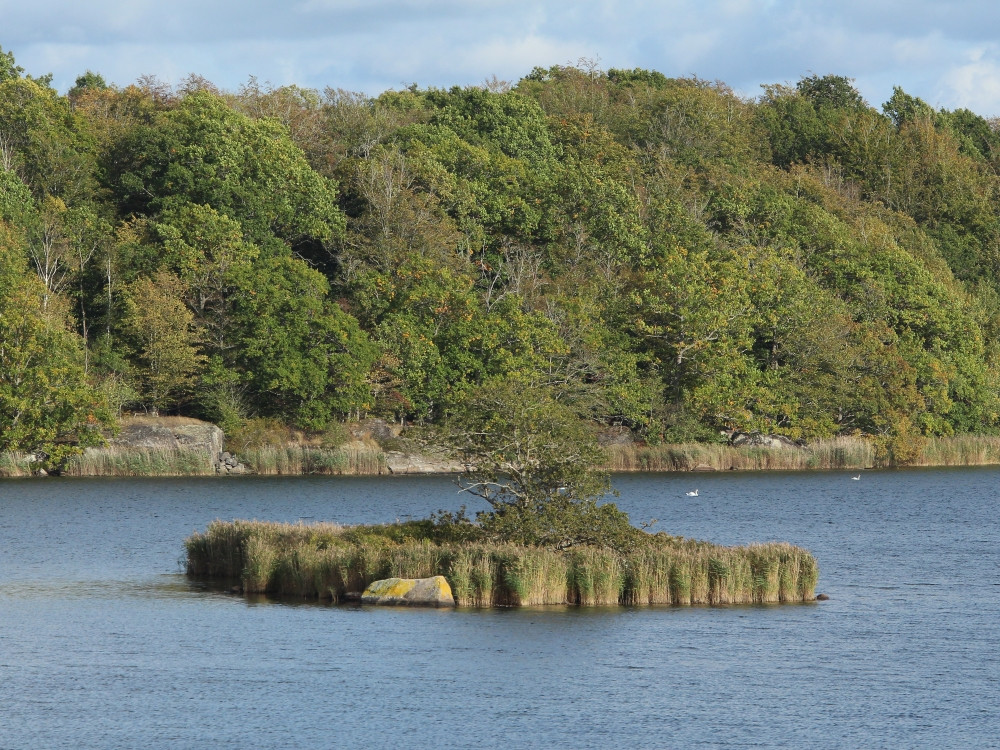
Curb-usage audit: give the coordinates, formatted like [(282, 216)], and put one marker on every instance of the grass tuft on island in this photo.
[(327, 561)]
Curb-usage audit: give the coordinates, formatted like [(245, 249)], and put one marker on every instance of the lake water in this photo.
[(105, 644)]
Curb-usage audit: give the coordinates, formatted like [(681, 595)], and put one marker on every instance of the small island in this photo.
[(326, 561)]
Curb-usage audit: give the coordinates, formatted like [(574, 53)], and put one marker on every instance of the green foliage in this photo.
[(8, 68), (609, 248), (525, 446), (561, 523), (531, 459), (203, 152), (47, 402), (89, 81), (902, 108), (45, 143), (16, 206), (162, 334), (509, 121), (207, 251), (830, 92), (303, 356)]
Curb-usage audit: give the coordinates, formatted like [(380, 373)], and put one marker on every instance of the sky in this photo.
[(947, 53)]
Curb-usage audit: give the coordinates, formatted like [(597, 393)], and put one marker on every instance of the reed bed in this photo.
[(292, 458), (833, 453), (139, 462), (15, 465), (960, 450), (326, 561)]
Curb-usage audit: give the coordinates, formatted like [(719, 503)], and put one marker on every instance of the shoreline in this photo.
[(172, 447)]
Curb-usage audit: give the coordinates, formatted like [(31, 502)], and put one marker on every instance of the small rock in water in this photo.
[(822, 597)]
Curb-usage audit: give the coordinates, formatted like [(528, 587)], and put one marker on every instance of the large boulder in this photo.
[(615, 436), (375, 429), (398, 462), (166, 434), (757, 439), (432, 592)]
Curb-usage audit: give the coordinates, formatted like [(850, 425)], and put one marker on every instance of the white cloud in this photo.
[(513, 58), (975, 85), (943, 52)]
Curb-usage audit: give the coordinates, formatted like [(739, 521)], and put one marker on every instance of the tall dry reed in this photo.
[(596, 577), (960, 450), (118, 461), (294, 459), (15, 465), (472, 574), (843, 452), (530, 576), (833, 453)]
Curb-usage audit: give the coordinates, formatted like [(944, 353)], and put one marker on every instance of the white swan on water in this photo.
[(692, 493), (857, 477)]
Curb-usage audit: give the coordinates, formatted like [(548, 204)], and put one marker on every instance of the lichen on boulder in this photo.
[(434, 592)]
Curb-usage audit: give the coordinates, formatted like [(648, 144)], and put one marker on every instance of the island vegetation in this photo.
[(326, 561)]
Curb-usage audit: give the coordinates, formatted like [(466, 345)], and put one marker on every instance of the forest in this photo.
[(612, 248)]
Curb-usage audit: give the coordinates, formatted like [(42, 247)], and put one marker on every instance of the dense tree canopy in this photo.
[(648, 252)]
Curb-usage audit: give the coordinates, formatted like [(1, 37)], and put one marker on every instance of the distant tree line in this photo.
[(619, 247)]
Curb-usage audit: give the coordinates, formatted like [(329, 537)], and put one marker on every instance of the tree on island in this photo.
[(536, 463)]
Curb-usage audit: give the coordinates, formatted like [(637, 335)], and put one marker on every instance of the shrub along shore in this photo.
[(327, 561)]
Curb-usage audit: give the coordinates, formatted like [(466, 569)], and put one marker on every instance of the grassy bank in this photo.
[(326, 561)]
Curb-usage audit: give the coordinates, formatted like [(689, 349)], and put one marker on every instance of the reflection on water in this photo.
[(105, 644)]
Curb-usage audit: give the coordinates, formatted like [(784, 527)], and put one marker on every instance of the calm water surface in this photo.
[(105, 644)]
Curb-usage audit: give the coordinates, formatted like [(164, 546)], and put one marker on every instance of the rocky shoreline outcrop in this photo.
[(167, 436), (203, 444), (398, 462), (178, 446)]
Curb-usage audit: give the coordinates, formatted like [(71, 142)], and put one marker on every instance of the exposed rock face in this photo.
[(197, 437), (433, 592), (375, 429), (398, 462), (160, 436), (615, 436), (765, 441)]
